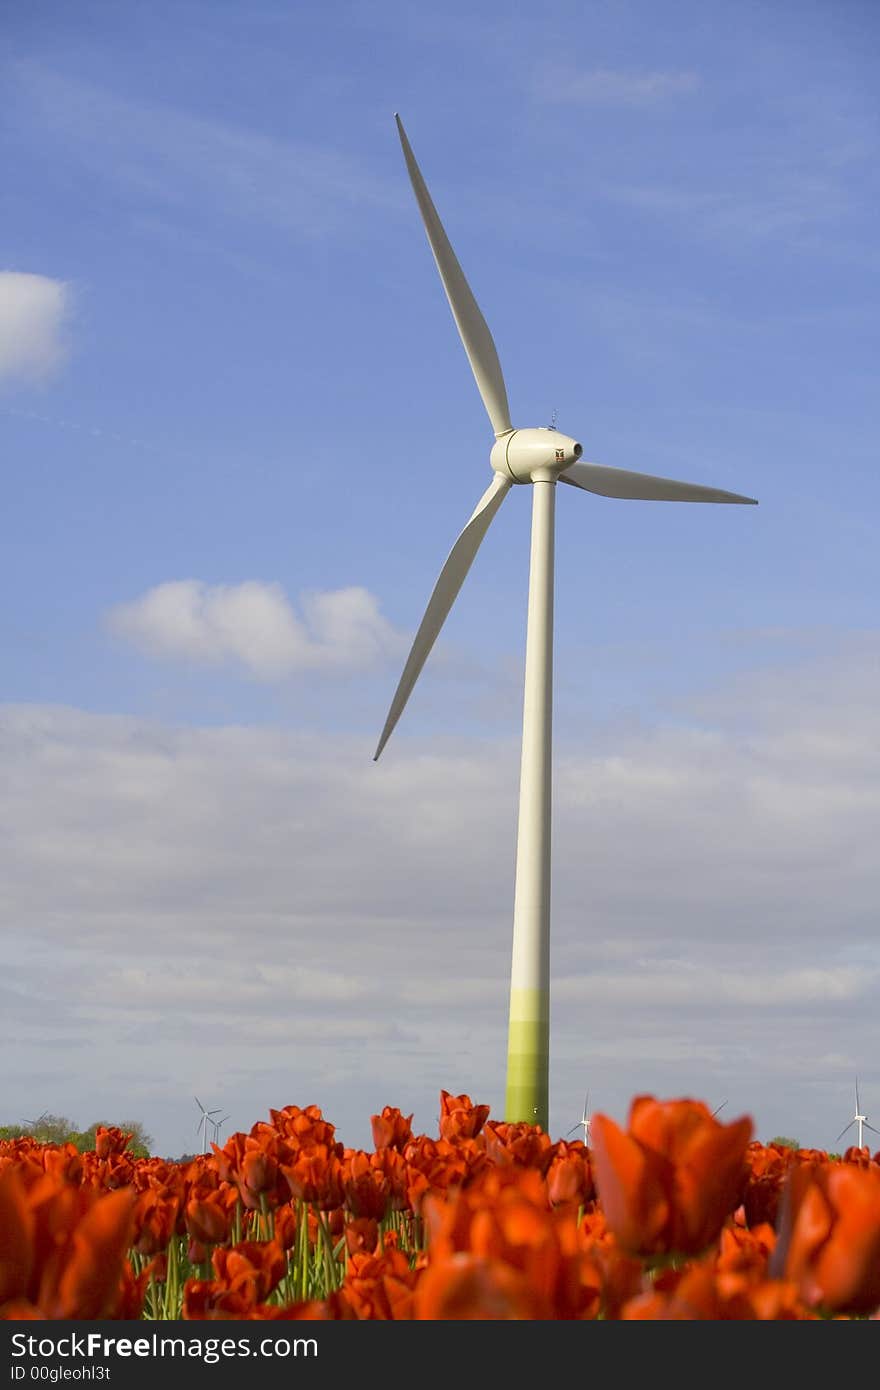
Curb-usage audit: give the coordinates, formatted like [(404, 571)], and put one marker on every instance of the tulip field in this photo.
[(674, 1216)]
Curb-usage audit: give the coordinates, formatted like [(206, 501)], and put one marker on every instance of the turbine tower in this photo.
[(540, 458)]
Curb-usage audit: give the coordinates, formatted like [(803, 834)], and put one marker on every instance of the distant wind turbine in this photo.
[(204, 1122), (584, 1121), (217, 1126), (859, 1119), (539, 458)]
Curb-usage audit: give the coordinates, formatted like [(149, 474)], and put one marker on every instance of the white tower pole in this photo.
[(528, 1046)]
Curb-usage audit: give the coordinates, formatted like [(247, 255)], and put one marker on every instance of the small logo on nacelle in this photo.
[(560, 455)]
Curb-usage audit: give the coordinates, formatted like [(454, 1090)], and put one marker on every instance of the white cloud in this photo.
[(270, 917), (32, 313), (610, 87), (254, 625)]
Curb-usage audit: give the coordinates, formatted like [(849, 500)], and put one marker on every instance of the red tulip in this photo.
[(829, 1236), (365, 1188), (207, 1220), (315, 1176), (459, 1119), (569, 1177), (16, 1237), (379, 1286), (155, 1220), (251, 1268), (669, 1183), (361, 1235), (62, 1248), (391, 1129), (519, 1142), (110, 1140), (695, 1294), (499, 1238)]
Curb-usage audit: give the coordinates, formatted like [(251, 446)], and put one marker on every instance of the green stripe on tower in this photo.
[(528, 1058)]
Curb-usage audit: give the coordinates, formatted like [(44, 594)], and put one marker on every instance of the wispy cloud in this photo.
[(171, 156), (612, 87), (254, 625), (789, 202), (33, 310), (714, 908)]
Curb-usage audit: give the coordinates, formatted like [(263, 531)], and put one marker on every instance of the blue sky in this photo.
[(239, 437)]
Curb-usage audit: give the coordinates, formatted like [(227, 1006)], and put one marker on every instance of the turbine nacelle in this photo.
[(519, 455)]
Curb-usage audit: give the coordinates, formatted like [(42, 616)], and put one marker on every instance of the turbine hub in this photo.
[(520, 454)]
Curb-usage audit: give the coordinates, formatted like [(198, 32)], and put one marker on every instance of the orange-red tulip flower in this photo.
[(472, 1288), (285, 1226), (315, 1176), (16, 1237), (304, 1127), (391, 1129), (767, 1168), (361, 1235), (110, 1140), (459, 1118), (207, 1220), (670, 1182), (696, 1294), (570, 1177), (257, 1177), (366, 1191), (206, 1300), (63, 1161), (829, 1236), (379, 1286), (520, 1143), (155, 1220), (504, 1222), (437, 1166), (62, 1248), (251, 1268)]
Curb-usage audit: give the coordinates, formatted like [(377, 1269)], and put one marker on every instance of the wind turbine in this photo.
[(858, 1118), (204, 1122), (583, 1121), (217, 1124), (540, 458)]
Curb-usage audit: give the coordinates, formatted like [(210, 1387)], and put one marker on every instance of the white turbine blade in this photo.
[(472, 327), (620, 482), (843, 1131), (872, 1128), (452, 576), (858, 1107)]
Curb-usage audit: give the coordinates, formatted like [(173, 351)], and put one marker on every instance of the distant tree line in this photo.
[(57, 1129)]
